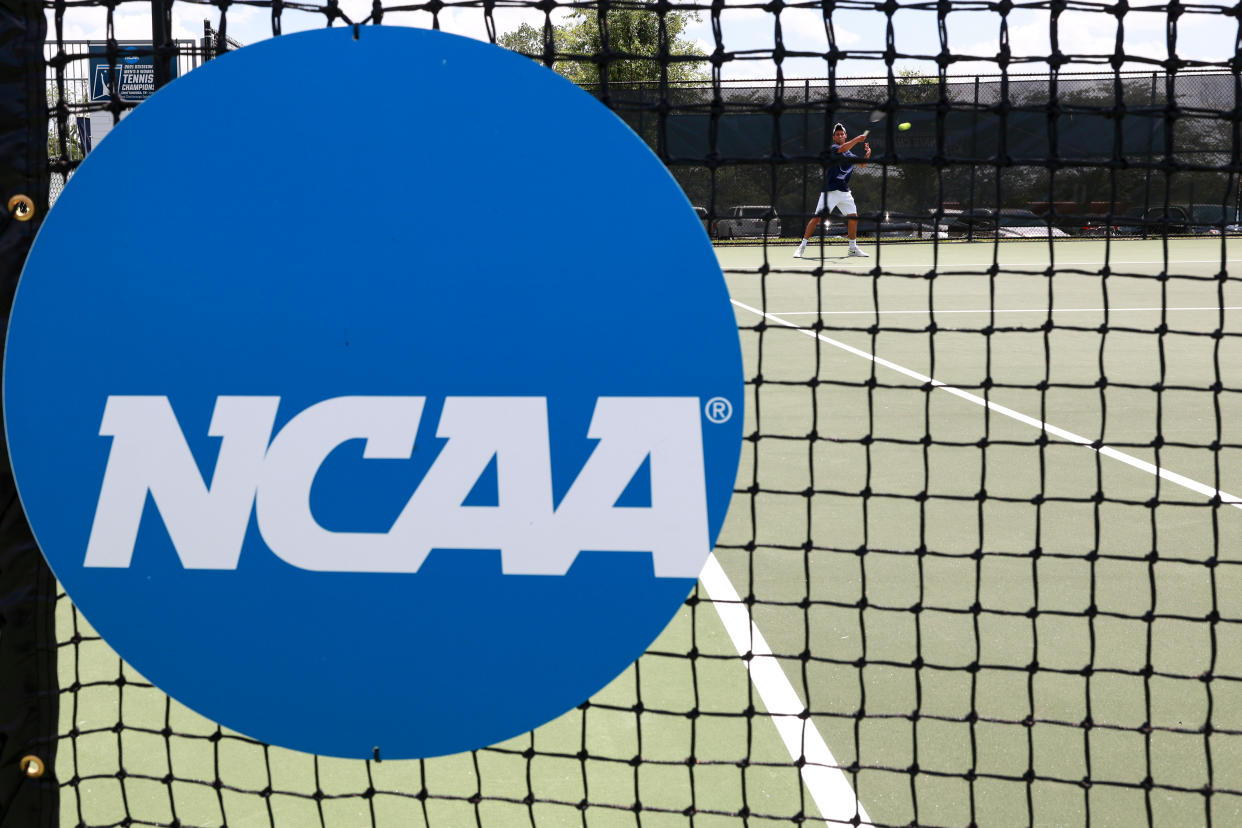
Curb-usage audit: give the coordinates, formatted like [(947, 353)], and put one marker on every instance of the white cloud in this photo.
[(1201, 37)]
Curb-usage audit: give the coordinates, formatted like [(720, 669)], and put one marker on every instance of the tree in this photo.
[(72, 141), (630, 31)]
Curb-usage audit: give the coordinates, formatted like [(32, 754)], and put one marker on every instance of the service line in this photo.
[(1069, 436)]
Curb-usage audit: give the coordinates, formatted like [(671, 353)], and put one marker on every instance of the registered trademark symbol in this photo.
[(718, 410)]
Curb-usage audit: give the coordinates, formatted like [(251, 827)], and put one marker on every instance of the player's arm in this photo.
[(853, 142), (839, 151)]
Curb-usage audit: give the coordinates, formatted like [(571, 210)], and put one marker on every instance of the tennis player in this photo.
[(836, 194)]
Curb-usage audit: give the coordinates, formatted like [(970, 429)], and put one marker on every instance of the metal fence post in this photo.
[(207, 46), (1150, 150), (161, 40), (806, 145), (974, 155)]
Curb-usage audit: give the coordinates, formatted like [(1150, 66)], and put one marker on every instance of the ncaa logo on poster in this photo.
[(128, 66), (336, 468)]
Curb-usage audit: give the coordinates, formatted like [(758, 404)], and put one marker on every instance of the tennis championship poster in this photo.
[(129, 69), (342, 480)]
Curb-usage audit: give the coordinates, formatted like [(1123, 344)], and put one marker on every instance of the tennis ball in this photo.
[(903, 126)]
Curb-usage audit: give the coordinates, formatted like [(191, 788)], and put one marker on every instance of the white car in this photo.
[(701, 212), (751, 221), (1024, 224), (987, 223), (936, 227)]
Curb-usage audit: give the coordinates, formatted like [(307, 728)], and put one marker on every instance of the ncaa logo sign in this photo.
[(409, 432)]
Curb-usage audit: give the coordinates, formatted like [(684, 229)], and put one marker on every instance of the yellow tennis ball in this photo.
[(903, 126)]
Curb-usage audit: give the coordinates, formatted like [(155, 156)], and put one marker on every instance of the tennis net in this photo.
[(983, 564)]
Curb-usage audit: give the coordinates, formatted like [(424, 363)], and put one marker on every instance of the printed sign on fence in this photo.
[(339, 479)]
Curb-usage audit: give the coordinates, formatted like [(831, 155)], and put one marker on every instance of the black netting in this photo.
[(982, 524)]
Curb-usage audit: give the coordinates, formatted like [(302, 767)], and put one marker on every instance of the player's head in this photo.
[(838, 133)]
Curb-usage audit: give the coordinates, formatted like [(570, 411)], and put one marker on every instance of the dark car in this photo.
[(868, 225), (1213, 219), (979, 223), (1154, 221)]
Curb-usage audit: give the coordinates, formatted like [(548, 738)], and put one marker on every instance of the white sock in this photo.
[(803, 245), (853, 244)]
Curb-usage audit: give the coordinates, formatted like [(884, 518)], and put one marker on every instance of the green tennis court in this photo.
[(1117, 584), (977, 608)]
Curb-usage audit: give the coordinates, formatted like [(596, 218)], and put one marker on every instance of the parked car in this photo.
[(1101, 224), (749, 220), (978, 222), (869, 225), (1025, 224), (1212, 219), (1064, 215), (1007, 223), (936, 224), (702, 214), (1100, 218), (1154, 221)]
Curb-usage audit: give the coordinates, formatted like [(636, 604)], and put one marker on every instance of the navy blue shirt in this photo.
[(840, 172)]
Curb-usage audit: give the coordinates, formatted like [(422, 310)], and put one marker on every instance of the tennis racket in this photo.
[(875, 117)]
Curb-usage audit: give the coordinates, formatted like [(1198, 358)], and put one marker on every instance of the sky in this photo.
[(973, 33)]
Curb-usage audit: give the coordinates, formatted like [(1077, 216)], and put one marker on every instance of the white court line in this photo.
[(1015, 267), (1069, 436), (999, 310), (826, 782)]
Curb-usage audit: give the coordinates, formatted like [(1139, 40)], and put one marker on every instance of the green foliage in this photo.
[(912, 77), (632, 32), (72, 149), (529, 41), (73, 143)]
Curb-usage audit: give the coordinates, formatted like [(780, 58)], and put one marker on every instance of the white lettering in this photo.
[(514, 430), (674, 528), (274, 476), (150, 454), (388, 424)]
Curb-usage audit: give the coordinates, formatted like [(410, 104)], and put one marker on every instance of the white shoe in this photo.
[(854, 251), (798, 252)]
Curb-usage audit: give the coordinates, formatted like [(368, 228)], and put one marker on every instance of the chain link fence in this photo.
[(1085, 152), (1079, 150)]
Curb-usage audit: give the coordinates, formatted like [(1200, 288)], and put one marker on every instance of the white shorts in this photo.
[(841, 200)]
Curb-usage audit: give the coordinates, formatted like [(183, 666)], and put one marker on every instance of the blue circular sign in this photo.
[(395, 407)]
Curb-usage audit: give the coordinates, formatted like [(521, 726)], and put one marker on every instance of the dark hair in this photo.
[(839, 126)]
